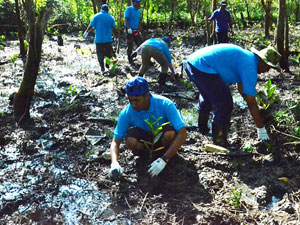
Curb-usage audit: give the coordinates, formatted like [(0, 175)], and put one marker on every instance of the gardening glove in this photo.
[(262, 134), (129, 31), (156, 167), (115, 171), (85, 35)]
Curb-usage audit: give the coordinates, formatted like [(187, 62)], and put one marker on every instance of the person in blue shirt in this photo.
[(144, 106), (104, 24), (212, 68), (223, 22), (132, 23), (157, 48)]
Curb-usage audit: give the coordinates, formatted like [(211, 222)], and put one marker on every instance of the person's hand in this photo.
[(115, 171), (156, 167), (129, 31), (85, 35), (262, 134)]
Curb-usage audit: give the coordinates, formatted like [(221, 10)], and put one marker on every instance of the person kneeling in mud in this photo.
[(157, 48), (144, 106)]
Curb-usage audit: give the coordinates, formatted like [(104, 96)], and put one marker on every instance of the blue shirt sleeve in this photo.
[(166, 52), (174, 116), (123, 124)]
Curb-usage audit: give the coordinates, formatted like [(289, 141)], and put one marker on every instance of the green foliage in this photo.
[(71, 90), (14, 58), (267, 97), (84, 52), (111, 63), (2, 41), (296, 132), (156, 130), (235, 199), (189, 85), (248, 148)]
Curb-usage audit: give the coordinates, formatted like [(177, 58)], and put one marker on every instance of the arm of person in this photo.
[(114, 150), (127, 23), (176, 144), (253, 107), (88, 29)]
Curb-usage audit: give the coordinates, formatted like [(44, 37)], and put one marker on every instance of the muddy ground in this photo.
[(56, 172)]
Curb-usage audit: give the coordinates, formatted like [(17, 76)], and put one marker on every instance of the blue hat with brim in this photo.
[(137, 86), (136, 0), (104, 7)]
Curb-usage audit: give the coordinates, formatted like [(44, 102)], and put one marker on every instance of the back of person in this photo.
[(103, 22)]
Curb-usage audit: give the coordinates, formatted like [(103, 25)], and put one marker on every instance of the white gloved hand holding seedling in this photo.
[(156, 167), (262, 134)]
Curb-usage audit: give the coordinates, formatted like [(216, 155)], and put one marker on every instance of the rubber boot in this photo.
[(220, 133), (162, 78), (202, 122)]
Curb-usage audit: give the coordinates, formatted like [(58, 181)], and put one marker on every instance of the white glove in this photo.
[(262, 134), (85, 35), (157, 166), (115, 170), (129, 31)]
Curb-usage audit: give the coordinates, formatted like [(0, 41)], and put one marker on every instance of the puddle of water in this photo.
[(273, 203)]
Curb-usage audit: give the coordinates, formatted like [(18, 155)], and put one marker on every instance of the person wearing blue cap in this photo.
[(158, 49), (144, 106), (104, 24), (132, 23), (212, 69), (223, 22)]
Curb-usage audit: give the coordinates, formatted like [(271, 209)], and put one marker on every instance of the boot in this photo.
[(162, 78), (220, 133), (202, 122)]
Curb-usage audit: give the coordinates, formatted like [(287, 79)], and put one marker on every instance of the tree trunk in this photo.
[(94, 6), (248, 12), (268, 17), (120, 26), (37, 25), (213, 38), (171, 17), (282, 43), (20, 30)]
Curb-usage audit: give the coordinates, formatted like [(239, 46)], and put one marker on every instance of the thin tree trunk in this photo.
[(297, 11), (20, 30), (120, 25), (282, 34), (170, 28), (248, 11), (94, 6), (23, 97), (268, 17)]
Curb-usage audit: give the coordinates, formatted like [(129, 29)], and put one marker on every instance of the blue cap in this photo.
[(167, 40), (137, 86), (136, 0), (104, 7)]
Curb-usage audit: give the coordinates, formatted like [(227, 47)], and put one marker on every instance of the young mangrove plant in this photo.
[(111, 64), (156, 131), (267, 97), (235, 199)]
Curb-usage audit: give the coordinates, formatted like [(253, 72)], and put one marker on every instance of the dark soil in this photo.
[(55, 172)]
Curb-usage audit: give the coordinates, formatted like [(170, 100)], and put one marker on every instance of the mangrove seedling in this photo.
[(235, 199), (156, 131)]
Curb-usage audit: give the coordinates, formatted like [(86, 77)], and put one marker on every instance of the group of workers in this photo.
[(211, 69)]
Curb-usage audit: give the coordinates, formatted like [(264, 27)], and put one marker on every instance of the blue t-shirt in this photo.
[(160, 45), (134, 16), (222, 19), (103, 22), (233, 63), (159, 107)]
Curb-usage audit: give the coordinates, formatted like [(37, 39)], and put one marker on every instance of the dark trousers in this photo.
[(222, 37), (103, 50), (214, 94), (137, 38)]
